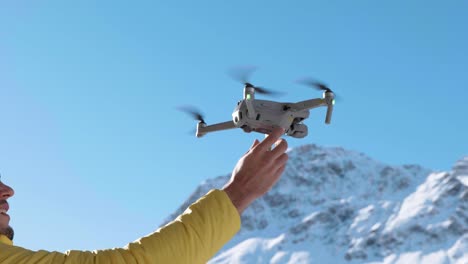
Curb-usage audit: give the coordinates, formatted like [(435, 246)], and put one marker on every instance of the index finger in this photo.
[(271, 138)]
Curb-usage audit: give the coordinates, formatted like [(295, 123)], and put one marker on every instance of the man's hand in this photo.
[(258, 170)]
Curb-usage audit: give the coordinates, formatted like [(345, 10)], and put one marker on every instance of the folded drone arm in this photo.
[(314, 103), (309, 104), (202, 128)]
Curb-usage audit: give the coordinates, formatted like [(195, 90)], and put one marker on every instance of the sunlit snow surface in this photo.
[(338, 206)]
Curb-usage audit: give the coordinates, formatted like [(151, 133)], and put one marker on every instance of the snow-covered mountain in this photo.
[(338, 206)]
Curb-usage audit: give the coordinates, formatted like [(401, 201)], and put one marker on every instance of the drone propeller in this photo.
[(192, 111), (317, 85), (242, 75)]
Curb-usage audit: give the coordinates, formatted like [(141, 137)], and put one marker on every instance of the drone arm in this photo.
[(309, 104), (202, 128), (250, 108), (249, 96), (329, 114), (314, 103)]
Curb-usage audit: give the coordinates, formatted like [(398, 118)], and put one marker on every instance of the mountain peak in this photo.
[(334, 205)]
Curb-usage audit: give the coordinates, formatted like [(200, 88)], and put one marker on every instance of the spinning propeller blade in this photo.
[(314, 84), (192, 111), (317, 85), (242, 75)]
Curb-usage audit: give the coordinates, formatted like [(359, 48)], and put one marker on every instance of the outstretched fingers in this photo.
[(281, 160), (281, 147), (277, 174), (281, 170), (271, 138), (254, 144)]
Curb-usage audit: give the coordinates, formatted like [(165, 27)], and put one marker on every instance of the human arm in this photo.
[(193, 237), (199, 232)]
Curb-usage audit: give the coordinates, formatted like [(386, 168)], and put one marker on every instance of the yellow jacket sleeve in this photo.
[(193, 237)]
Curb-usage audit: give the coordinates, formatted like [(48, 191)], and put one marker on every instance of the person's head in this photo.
[(5, 193)]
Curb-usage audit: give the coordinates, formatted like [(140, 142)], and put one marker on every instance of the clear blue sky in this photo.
[(98, 155)]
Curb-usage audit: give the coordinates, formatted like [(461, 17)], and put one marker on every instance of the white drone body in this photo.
[(263, 116)]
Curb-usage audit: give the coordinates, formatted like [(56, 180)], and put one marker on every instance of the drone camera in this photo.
[(298, 131)]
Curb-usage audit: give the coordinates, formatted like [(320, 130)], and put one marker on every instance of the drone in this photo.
[(262, 116)]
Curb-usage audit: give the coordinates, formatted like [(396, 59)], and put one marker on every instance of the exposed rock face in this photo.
[(339, 206)]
